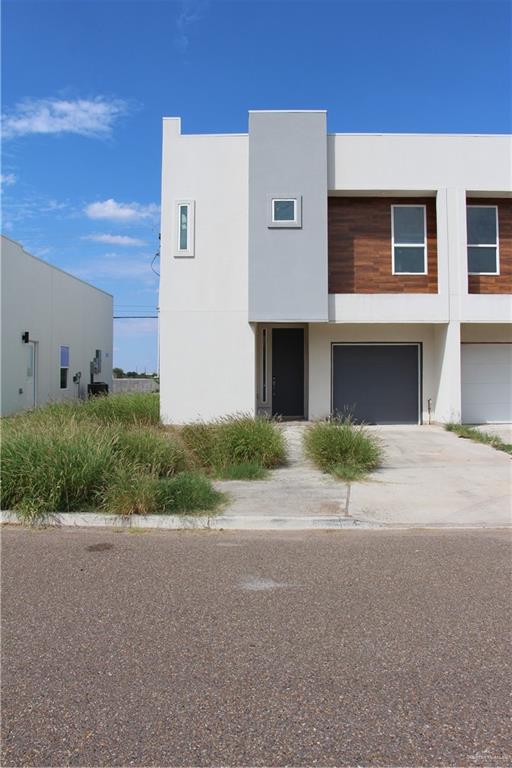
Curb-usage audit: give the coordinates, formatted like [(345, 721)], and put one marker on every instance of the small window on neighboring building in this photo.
[(64, 367), (185, 228), (284, 210), (482, 235), (409, 239)]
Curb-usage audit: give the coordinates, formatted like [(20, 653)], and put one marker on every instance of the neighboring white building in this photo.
[(306, 273), (53, 327)]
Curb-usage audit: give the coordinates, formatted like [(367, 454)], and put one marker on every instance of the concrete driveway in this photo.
[(429, 477), (433, 477)]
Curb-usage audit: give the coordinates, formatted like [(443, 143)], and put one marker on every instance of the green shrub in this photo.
[(343, 449), (187, 492), (55, 469), (151, 450), (235, 441)]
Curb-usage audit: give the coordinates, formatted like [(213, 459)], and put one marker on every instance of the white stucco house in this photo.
[(56, 332), (305, 273)]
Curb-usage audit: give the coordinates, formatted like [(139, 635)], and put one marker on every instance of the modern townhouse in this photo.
[(306, 273)]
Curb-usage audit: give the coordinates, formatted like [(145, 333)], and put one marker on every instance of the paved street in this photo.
[(189, 648)]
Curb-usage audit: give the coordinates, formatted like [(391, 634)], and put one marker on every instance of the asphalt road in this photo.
[(373, 648)]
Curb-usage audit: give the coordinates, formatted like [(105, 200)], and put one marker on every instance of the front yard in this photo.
[(112, 455)]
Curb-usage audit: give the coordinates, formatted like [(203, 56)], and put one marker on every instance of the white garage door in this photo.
[(486, 383)]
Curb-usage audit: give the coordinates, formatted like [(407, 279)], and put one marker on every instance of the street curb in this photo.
[(187, 522)]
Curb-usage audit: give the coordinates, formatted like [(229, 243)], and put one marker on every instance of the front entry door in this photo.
[(288, 372)]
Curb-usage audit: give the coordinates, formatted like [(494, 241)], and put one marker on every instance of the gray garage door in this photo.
[(376, 383)]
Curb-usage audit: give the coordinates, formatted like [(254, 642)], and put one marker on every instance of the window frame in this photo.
[(273, 223), (284, 200), (189, 251), (64, 367), (409, 245), (484, 245)]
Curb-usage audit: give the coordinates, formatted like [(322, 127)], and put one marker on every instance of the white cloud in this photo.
[(86, 117), (114, 239), (7, 179), (191, 12), (121, 212)]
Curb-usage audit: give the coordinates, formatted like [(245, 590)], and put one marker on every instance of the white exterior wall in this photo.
[(57, 309), (207, 354)]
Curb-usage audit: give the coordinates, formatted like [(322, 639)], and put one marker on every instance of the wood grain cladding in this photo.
[(359, 231), (501, 283)]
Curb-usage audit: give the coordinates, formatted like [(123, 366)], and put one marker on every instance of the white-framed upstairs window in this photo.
[(409, 239), (185, 227), (483, 240), (64, 367)]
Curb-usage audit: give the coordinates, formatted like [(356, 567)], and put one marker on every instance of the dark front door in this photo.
[(376, 384), (288, 372)]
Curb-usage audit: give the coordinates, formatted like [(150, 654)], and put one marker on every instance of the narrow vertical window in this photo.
[(184, 228), (64, 367), (482, 236), (264, 365)]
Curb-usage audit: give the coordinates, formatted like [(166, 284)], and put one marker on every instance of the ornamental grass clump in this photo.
[(343, 449), (235, 447), (150, 450), (55, 469)]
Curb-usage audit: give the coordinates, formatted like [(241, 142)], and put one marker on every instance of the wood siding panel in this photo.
[(501, 283), (360, 258)]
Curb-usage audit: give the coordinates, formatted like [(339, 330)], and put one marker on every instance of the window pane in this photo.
[(481, 226), (409, 224), (482, 260), (64, 356), (409, 259), (63, 378), (284, 210), (183, 227)]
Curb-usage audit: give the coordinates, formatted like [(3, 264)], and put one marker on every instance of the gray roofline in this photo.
[(52, 266)]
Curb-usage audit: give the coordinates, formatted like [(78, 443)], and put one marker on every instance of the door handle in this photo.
[(273, 385)]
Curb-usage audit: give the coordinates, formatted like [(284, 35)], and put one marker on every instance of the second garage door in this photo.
[(377, 383), (486, 383)]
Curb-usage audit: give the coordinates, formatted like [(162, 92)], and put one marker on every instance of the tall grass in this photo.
[(54, 469), (345, 450), (235, 447), (187, 492), (82, 456), (486, 438)]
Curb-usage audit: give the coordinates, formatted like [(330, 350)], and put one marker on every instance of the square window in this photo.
[(409, 239), (284, 210), (64, 367), (64, 356), (482, 237)]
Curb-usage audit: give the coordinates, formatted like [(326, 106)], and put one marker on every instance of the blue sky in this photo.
[(86, 83)]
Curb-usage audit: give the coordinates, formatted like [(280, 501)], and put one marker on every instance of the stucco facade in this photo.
[(244, 276), (57, 311)]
